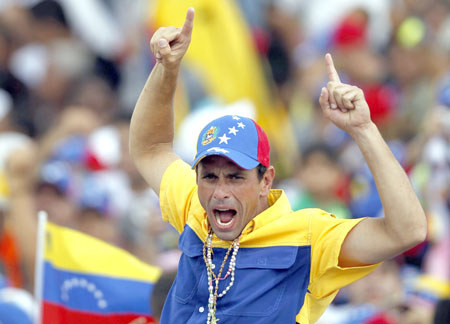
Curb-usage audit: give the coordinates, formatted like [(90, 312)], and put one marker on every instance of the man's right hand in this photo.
[(169, 44)]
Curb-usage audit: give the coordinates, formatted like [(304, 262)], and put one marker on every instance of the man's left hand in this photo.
[(344, 104)]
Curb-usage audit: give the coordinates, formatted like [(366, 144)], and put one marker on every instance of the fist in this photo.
[(343, 104), (169, 44), (21, 168)]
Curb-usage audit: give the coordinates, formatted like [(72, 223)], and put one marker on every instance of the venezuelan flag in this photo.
[(88, 281)]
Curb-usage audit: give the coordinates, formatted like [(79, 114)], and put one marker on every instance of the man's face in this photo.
[(231, 196)]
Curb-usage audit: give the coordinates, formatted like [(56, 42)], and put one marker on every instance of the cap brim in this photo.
[(241, 159)]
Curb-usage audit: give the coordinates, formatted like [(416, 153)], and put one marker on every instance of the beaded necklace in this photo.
[(213, 291)]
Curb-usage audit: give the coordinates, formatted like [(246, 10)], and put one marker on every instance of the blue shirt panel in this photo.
[(269, 286)]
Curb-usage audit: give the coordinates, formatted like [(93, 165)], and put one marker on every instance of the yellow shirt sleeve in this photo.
[(326, 277), (178, 187)]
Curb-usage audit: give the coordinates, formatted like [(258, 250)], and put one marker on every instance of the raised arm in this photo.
[(404, 224), (152, 129), (21, 171)]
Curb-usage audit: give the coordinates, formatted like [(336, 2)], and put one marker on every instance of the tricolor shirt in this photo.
[(286, 267)]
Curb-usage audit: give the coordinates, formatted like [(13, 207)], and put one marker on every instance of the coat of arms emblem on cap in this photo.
[(210, 135)]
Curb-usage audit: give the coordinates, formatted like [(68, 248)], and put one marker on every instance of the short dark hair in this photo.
[(442, 312), (50, 10), (319, 147), (160, 292), (261, 170)]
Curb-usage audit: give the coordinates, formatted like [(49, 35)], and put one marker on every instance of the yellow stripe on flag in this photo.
[(71, 250)]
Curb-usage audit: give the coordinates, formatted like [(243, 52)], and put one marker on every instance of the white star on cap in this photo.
[(233, 130), (236, 118), (241, 125), (224, 139)]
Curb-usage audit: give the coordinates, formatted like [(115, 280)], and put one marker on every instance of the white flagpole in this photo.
[(39, 265)]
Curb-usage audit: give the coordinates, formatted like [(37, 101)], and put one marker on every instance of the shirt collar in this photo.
[(278, 205)]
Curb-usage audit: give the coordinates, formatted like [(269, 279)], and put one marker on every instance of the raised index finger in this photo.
[(332, 73), (186, 30)]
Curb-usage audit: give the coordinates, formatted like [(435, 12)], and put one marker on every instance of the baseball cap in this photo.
[(57, 174), (94, 194), (17, 306), (238, 138), (12, 314)]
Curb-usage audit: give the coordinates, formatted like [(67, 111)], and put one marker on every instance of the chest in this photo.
[(269, 282)]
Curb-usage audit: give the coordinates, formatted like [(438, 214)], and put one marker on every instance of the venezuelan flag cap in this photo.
[(16, 306), (238, 138)]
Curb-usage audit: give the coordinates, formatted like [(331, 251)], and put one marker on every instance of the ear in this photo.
[(267, 181)]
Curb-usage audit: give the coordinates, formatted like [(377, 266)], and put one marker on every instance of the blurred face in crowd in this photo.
[(319, 174), (96, 94), (95, 223), (230, 195), (60, 209), (381, 288), (407, 64)]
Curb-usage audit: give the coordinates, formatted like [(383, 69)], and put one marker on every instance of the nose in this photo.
[(221, 190)]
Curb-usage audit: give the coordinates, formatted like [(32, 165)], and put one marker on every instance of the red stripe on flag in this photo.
[(54, 313)]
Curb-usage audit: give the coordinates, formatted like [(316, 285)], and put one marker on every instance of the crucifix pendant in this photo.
[(214, 320)]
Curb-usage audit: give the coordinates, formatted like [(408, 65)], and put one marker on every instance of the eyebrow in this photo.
[(236, 173)]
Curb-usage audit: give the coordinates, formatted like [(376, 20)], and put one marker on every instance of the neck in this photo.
[(263, 205)]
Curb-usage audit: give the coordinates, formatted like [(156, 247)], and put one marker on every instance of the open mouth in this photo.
[(224, 217)]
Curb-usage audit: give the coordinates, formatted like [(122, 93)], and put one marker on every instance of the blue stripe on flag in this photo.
[(94, 293)]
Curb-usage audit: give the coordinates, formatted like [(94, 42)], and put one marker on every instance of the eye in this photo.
[(209, 176), (236, 176)]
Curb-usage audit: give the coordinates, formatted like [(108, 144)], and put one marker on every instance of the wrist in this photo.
[(364, 130), (168, 71)]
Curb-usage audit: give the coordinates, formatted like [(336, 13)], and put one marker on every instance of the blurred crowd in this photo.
[(71, 72)]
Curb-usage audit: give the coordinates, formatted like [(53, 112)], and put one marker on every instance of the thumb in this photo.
[(164, 47), (324, 99)]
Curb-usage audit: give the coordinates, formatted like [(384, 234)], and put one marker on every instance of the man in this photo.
[(247, 257)]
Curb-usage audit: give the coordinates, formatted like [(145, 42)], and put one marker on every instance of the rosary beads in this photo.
[(212, 278)]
